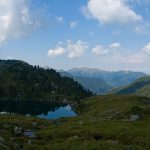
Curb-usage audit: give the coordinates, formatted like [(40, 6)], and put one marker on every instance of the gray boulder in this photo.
[(135, 117), (18, 131)]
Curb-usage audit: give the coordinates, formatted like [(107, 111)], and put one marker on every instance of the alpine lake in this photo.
[(38, 108)]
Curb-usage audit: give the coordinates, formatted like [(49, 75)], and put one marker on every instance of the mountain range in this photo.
[(101, 81)]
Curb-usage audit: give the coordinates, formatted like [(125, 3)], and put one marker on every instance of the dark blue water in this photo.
[(40, 109)]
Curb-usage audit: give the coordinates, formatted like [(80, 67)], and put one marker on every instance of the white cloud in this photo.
[(56, 52), (101, 50), (146, 49), (110, 11), (76, 49), (72, 49), (136, 58), (115, 45), (127, 59), (16, 19), (59, 19), (73, 24)]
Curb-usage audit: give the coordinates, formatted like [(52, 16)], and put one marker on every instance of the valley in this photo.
[(42, 109), (101, 81)]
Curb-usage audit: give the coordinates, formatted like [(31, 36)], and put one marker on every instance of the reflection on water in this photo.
[(60, 112), (41, 109)]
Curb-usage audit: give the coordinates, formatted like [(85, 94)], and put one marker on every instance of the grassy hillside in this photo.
[(139, 87), (103, 124), (19, 80)]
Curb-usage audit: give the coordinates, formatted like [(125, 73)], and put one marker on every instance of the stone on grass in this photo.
[(18, 131), (75, 137), (134, 118)]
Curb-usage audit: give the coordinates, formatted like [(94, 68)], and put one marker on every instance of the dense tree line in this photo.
[(21, 81)]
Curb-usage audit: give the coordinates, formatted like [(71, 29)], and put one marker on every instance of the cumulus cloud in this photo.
[(73, 24), (56, 52), (72, 49), (115, 45), (76, 49), (110, 11), (102, 50), (146, 49), (16, 19)]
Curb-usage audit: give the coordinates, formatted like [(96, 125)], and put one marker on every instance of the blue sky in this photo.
[(63, 34)]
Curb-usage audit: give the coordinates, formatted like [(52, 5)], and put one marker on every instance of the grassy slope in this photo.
[(144, 91), (92, 129), (139, 87)]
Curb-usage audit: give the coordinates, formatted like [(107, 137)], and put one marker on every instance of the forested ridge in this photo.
[(22, 81)]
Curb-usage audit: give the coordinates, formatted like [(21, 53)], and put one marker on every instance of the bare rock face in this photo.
[(134, 118)]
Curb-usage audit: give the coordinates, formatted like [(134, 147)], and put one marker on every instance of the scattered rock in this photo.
[(111, 114), (18, 131), (75, 137), (134, 118)]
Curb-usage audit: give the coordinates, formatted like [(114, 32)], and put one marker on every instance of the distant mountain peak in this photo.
[(113, 78), (85, 69), (88, 69)]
